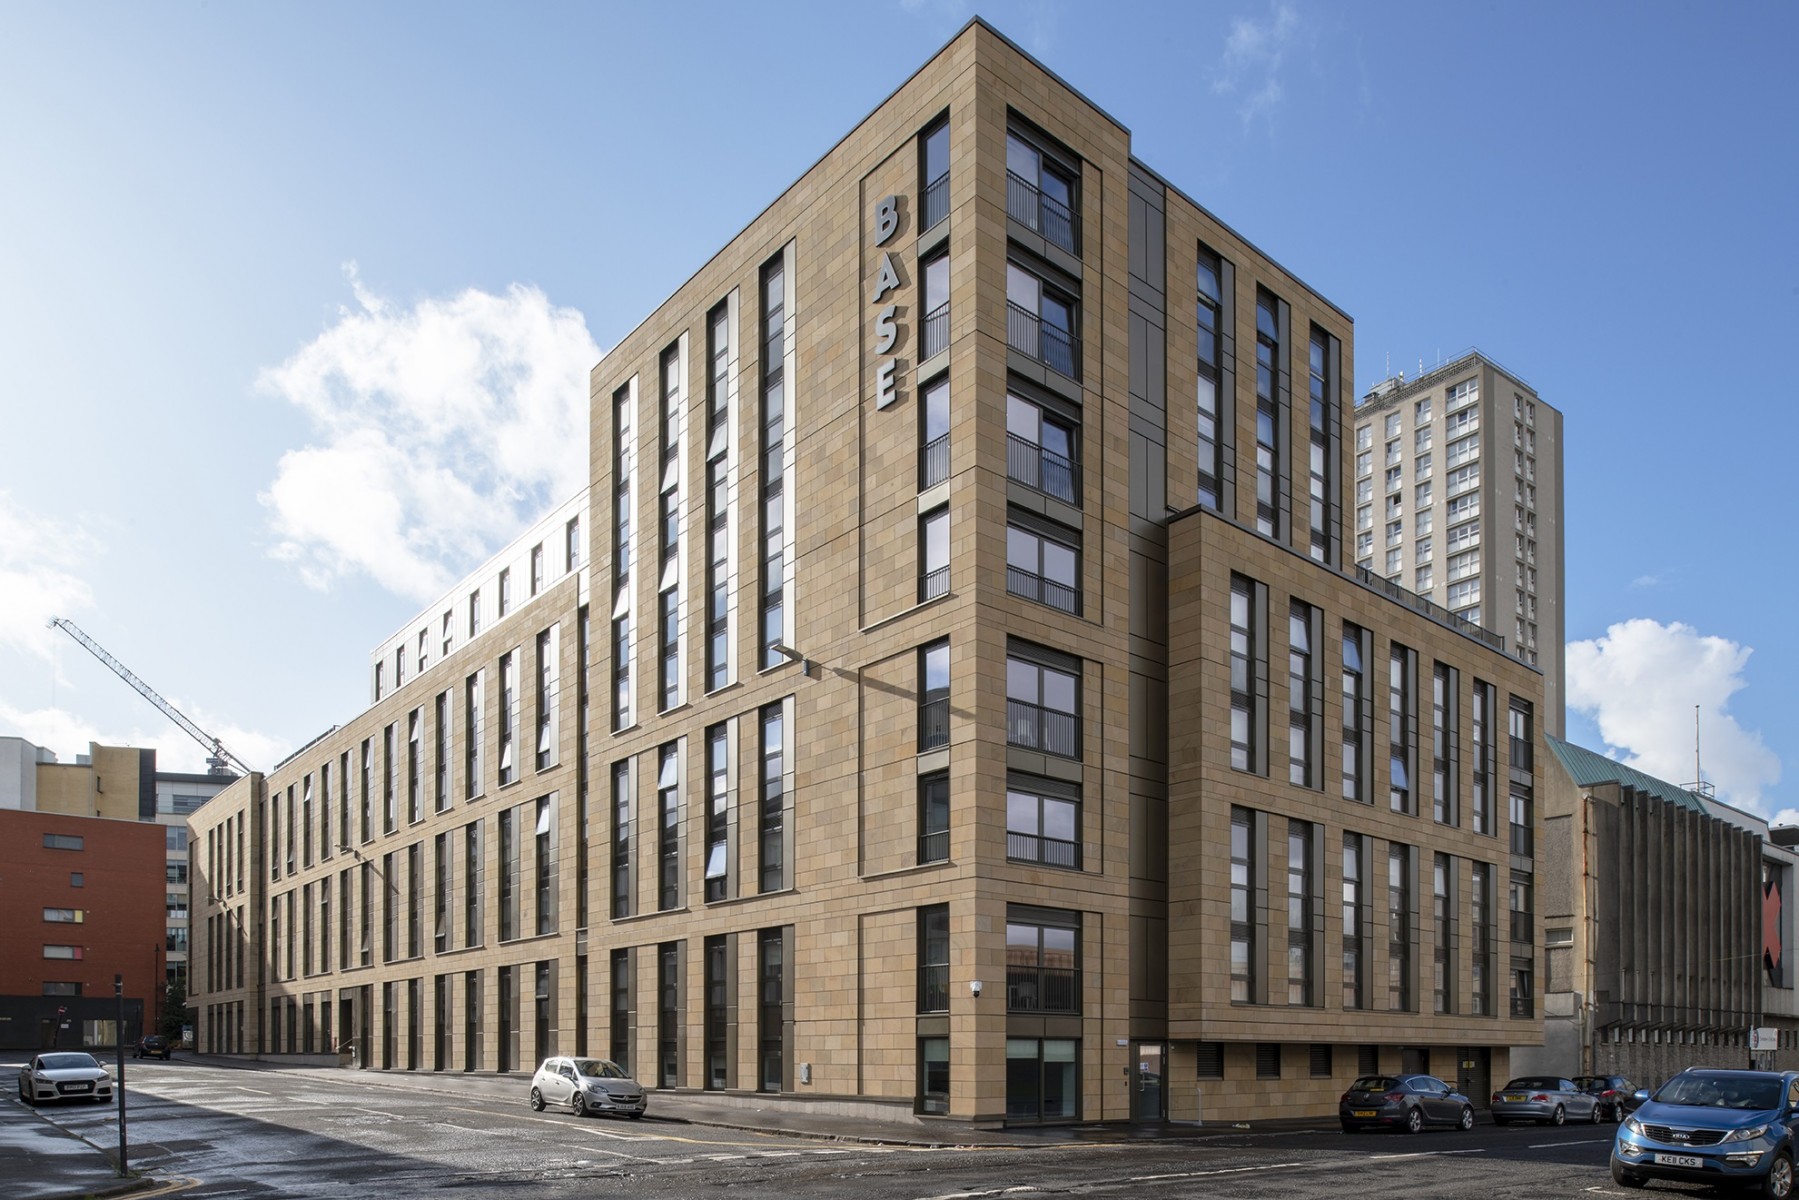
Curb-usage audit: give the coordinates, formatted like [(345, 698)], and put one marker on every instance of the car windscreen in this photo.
[(1721, 1091), (66, 1062), (1374, 1083), (600, 1068), (1533, 1083)]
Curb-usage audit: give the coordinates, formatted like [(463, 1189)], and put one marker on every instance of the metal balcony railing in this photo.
[(1037, 728), (1052, 852), (933, 847), (936, 202), (933, 584), (933, 462), (1042, 470), (1055, 348), (1026, 204), (934, 338), (933, 988), (933, 724), (1043, 989), (1060, 596)]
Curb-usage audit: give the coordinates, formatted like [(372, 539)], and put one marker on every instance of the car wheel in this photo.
[(1414, 1121), (536, 1100), (1559, 1116), (1624, 1178), (1467, 1121), (1777, 1184), (579, 1104), (1594, 1118)]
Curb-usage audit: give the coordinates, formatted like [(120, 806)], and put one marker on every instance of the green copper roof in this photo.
[(1589, 768)]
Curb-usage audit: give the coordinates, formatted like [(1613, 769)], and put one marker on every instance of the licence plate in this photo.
[(1690, 1161), (1511, 1099), (78, 1087), (1363, 1112)]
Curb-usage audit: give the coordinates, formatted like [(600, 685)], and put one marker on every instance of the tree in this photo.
[(174, 1008)]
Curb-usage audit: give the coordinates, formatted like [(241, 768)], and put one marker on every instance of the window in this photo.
[(1399, 928), (933, 959), (933, 1075), (934, 151), (1043, 562), (775, 534), (549, 697), (1268, 1060), (1480, 912), (773, 805), (668, 594), (1214, 398), (1040, 449), (473, 739), (508, 716), (544, 864), (621, 840), (1040, 192), (1323, 424), (933, 696), (1268, 414), (719, 980), (1355, 919), (1246, 699), (933, 455), (1485, 757), (1443, 914), (933, 544), (1043, 701), (415, 808), (440, 758), (720, 495), (571, 544), (668, 842), (1523, 840), (380, 677), (389, 813), (1302, 691), (718, 812), (505, 590), (1462, 479), (668, 1015), (1461, 395), (619, 1025), (1245, 913), (1523, 1004), (1395, 478), (933, 337), (1300, 898), (1042, 1079), (1356, 715), (623, 474), (536, 575), (772, 1009), (1042, 960), (65, 952), (62, 841), (70, 916), (1043, 822), (506, 893), (448, 637), (1445, 748), (1519, 718), (1041, 321), (933, 817), (1401, 670)]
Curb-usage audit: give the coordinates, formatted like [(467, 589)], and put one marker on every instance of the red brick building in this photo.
[(81, 900)]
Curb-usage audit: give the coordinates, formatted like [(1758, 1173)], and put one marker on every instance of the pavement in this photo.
[(40, 1160)]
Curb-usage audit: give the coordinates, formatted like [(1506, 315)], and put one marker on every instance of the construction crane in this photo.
[(219, 760)]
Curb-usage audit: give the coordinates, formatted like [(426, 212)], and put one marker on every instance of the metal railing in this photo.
[(1031, 586), (1042, 470), (1437, 612), (933, 584), (1038, 728), (934, 337), (1043, 989), (1053, 852), (933, 462), (1026, 204), (933, 988), (1055, 348), (933, 724), (936, 202), (933, 847)]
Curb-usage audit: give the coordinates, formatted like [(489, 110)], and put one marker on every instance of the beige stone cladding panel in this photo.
[(888, 985), (1203, 789), (889, 730)]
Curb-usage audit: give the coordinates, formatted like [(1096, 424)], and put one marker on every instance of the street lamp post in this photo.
[(118, 991)]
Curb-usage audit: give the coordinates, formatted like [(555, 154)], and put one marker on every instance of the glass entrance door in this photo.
[(1148, 1101)]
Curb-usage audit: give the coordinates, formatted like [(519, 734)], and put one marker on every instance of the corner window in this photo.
[(1040, 449), (1043, 563), (1040, 192), (1042, 321), (1043, 822), (1043, 701)]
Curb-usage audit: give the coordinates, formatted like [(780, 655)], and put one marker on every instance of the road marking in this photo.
[(241, 1088), (1423, 1154), (1582, 1142)]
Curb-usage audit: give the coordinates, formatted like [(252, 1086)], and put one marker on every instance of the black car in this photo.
[(1408, 1102), (153, 1045), (1614, 1093)]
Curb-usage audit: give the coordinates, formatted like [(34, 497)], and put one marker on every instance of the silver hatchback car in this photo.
[(587, 1085)]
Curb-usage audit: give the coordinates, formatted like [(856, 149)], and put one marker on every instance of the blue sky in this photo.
[(290, 294)]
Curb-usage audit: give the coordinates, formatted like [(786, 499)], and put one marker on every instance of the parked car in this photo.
[(153, 1045), (1713, 1127), (64, 1075), (1408, 1102), (1613, 1092), (1551, 1099), (587, 1085)]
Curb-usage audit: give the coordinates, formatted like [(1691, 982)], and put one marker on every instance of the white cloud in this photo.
[(1254, 54), (67, 735), (1786, 816), (38, 560), (1645, 581), (1640, 682), (442, 427)]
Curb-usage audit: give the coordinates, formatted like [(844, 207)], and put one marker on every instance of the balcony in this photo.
[(933, 584), (1059, 596), (1027, 204), (1035, 727), (1043, 989), (933, 724), (934, 338), (933, 847), (1051, 852), (933, 988), (1042, 470), (936, 202), (1031, 336)]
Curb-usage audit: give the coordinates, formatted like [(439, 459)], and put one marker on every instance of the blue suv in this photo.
[(1713, 1127)]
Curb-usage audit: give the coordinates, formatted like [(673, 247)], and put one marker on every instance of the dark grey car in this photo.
[(1407, 1102)]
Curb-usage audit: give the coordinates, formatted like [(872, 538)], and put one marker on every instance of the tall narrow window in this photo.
[(668, 1014), (571, 544), (1244, 912), (933, 553), (1355, 714), (718, 811), (474, 736), (772, 816), (543, 863), (1214, 404), (624, 458), (1355, 919), (933, 336), (933, 817), (1302, 739), (507, 894), (508, 717), (1245, 651), (536, 577), (415, 886), (1268, 416), (1445, 758), (474, 613), (1399, 928), (389, 814), (718, 1012), (934, 151), (1400, 672), (1321, 471), (619, 1031), (774, 424), (933, 455), (933, 696), (1480, 913), (771, 1005), (415, 805), (668, 604), (474, 883), (1443, 913), (933, 959), (440, 753), (549, 697), (1485, 757), (718, 498), (621, 840), (505, 590), (1300, 922), (442, 898), (668, 839)]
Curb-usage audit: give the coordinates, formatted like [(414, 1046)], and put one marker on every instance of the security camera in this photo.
[(974, 988)]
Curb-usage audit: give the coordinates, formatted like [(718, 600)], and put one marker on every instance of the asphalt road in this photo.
[(224, 1133)]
